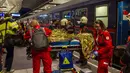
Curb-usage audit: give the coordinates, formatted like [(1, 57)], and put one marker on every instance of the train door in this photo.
[(123, 23)]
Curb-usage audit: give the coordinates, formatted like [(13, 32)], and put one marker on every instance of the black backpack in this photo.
[(39, 39), (125, 59), (126, 56)]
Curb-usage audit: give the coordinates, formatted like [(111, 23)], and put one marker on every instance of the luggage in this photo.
[(126, 69), (125, 58), (65, 60)]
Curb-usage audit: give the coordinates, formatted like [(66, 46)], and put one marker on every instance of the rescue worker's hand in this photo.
[(95, 53), (92, 56)]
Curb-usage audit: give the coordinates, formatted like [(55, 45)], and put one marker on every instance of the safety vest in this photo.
[(11, 24)]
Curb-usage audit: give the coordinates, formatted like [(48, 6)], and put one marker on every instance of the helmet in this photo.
[(64, 22), (84, 20), (128, 16)]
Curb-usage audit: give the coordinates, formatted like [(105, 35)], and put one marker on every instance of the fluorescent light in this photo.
[(15, 14)]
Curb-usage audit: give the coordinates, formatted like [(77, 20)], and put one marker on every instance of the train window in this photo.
[(66, 14), (81, 12), (102, 13), (57, 16), (102, 10), (104, 19)]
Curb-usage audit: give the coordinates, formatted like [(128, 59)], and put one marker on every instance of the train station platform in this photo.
[(22, 65)]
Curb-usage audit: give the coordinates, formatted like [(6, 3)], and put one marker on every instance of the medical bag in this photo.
[(65, 60)]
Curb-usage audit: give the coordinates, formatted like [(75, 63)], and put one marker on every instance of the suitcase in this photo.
[(65, 60)]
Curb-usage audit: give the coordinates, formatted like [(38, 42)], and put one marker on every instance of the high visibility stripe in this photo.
[(15, 25), (2, 30)]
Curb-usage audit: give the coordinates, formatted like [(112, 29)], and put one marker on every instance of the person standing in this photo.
[(125, 58), (43, 54), (83, 29), (104, 48), (8, 28)]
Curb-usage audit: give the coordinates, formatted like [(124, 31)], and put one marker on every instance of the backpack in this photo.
[(39, 39), (126, 56), (8, 38)]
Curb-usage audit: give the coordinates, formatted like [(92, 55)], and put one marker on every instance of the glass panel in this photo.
[(102, 11), (104, 19)]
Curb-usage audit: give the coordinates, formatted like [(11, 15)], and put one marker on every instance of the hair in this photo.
[(34, 22), (100, 22)]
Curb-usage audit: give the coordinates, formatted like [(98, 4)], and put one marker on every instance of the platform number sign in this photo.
[(66, 61)]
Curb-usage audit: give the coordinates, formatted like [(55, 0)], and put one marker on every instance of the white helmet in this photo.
[(64, 22), (84, 20)]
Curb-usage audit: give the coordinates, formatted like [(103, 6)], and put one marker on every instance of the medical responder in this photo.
[(67, 25), (125, 59), (55, 24), (8, 26), (43, 54), (103, 48), (83, 29), (70, 27), (64, 22)]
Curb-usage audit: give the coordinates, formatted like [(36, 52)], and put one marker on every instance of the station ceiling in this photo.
[(28, 7)]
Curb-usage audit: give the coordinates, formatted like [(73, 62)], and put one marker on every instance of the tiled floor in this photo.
[(26, 71), (54, 67), (22, 65)]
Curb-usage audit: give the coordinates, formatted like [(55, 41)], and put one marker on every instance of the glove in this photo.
[(92, 56), (95, 53)]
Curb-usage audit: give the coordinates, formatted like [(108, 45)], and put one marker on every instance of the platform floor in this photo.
[(22, 65)]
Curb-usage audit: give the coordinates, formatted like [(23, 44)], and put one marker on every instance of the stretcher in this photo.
[(66, 47), (63, 45)]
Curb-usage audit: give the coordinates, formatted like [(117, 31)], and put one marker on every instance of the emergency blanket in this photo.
[(60, 35), (86, 40), (87, 43)]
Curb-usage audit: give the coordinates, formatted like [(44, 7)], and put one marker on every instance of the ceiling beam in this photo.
[(3, 11), (37, 7), (11, 8), (41, 9), (3, 7), (2, 2), (54, 3)]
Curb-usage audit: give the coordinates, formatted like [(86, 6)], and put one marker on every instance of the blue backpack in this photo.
[(65, 60)]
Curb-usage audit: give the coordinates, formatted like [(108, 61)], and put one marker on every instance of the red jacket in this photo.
[(47, 32), (104, 45)]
